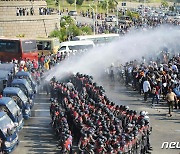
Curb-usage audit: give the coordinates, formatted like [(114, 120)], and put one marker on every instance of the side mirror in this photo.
[(9, 132)]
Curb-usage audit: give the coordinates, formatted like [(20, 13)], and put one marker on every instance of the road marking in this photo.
[(41, 110), (32, 127), (42, 103), (39, 117), (42, 93), (45, 143)]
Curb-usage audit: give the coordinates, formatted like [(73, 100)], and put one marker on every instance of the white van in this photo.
[(74, 46)]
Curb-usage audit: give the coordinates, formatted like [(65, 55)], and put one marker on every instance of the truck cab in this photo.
[(25, 87), (8, 133), (20, 99), (28, 77), (8, 105)]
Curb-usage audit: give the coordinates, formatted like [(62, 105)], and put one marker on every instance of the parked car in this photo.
[(8, 133), (72, 13), (29, 78), (8, 105), (111, 18), (20, 99)]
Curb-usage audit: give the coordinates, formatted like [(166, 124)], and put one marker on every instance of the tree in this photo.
[(70, 1), (68, 29), (111, 4), (86, 30), (164, 4), (79, 2), (57, 2)]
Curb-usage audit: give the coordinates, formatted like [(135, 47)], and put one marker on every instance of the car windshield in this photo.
[(29, 79), (5, 123), (23, 97), (22, 87), (28, 86), (13, 108)]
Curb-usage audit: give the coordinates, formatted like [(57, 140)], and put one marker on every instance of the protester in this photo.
[(146, 88), (171, 98)]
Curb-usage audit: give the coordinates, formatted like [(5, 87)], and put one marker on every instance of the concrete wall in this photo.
[(31, 25)]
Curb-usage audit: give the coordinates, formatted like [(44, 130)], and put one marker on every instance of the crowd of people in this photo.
[(45, 11), (82, 114), (155, 79), (24, 11)]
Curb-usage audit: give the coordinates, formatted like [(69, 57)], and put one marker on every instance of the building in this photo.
[(29, 18)]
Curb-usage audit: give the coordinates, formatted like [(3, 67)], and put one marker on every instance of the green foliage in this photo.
[(164, 4), (57, 2), (68, 29), (79, 2), (67, 20), (73, 30), (132, 14), (20, 35), (86, 30), (111, 4), (70, 1), (171, 8), (106, 32)]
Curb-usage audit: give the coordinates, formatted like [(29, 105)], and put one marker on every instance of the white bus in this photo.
[(74, 46), (98, 39)]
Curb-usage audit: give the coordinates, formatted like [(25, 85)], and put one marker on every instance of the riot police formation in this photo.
[(83, 116)]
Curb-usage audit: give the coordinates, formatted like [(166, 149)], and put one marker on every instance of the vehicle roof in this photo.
[(15, 39), (2, 114), (12, 90), (4, 74), (23, 73), (7, 66), (97, 36), (77, 43), (5, 100), (19, 81), (46, 39)]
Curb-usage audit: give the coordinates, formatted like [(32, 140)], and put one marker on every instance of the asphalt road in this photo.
[(37, 136)]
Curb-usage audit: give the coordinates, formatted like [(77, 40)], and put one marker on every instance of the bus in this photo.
[(99, 39), (74, 46), (18, 48), (47, 45)]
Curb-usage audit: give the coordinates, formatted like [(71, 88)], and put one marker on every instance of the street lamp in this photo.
[(94, 27)]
